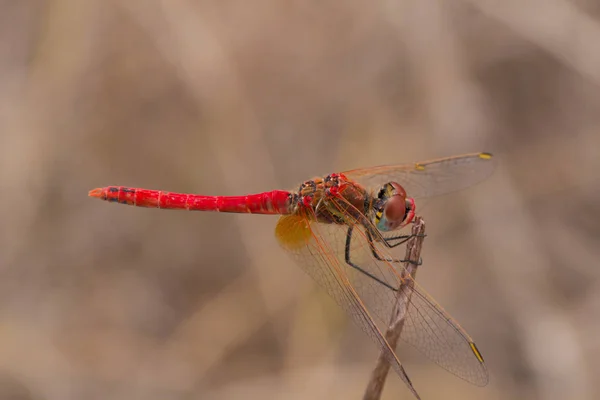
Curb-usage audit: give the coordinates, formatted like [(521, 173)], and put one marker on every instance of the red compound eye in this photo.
[(395, 209), (398, 210)]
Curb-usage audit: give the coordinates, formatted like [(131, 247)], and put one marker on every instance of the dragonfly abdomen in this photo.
[(273, 202)]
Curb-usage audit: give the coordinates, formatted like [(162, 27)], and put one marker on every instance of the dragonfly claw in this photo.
[(417, 263)]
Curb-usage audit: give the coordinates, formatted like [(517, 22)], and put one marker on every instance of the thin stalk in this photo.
[(382, 367)]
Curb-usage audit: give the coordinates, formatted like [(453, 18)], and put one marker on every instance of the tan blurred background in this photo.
[(231, 97)]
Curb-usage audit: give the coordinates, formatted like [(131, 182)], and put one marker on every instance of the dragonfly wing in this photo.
[(372, 289), (432, 331), (317, 250), (429, 178)]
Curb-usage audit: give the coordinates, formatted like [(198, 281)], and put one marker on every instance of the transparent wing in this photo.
[(325, 255), (429, 178), (315, 249)]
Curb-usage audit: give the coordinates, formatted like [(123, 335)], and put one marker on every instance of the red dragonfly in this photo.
[(341, 229)]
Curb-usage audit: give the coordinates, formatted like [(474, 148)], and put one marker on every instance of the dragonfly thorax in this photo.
[(335, 198), (332, 199), (391, 209)]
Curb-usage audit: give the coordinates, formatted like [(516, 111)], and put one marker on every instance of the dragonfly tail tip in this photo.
[(96, 193)]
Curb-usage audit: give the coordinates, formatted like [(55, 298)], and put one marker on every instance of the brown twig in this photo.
[(413, 252)]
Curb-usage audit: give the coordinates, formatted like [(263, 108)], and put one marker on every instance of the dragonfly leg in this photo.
[(402, 239), (377, 256), (357, 267)]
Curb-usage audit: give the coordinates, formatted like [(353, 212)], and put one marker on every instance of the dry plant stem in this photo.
[(413, 252)]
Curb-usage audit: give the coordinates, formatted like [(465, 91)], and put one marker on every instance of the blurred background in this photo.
[(100, 301)]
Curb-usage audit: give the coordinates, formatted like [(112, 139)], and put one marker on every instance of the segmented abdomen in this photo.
[(273, 202)]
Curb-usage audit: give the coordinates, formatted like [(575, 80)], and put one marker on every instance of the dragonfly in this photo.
[(341, 230)]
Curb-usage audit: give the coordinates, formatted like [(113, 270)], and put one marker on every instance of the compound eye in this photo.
[(394, 211), (398, 190)]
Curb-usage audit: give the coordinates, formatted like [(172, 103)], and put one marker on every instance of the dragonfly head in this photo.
[(392, 209)]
